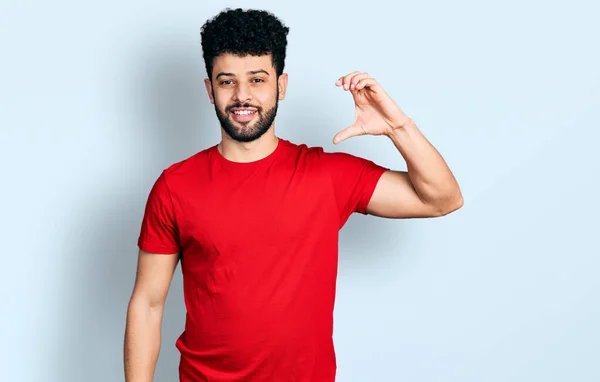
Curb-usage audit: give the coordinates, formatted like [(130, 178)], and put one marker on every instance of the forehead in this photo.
[(239, 66)]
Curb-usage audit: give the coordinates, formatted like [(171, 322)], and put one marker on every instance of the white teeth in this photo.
[(243, 112)]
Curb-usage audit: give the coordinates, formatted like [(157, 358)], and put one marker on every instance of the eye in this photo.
[(226, 82), (258, 80)]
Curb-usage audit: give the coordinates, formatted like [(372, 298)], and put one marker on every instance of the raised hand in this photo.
[(376, 112)]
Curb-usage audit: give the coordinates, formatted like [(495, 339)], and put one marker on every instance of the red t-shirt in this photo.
[(259, 247)]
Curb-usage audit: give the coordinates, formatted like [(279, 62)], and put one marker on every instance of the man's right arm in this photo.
[(145, 313)]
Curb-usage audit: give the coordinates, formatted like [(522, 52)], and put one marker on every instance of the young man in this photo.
[(255, 219)]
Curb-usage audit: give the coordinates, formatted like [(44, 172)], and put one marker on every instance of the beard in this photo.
[(251, 130)]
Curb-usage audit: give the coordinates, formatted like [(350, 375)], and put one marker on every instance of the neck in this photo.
[(248, 151)]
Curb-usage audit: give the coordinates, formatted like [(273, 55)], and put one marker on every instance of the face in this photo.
[(245, 92)]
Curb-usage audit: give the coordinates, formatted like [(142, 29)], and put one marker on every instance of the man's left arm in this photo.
[(428, 187)]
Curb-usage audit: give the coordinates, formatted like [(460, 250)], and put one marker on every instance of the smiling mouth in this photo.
[(243, 115), (244, 112)]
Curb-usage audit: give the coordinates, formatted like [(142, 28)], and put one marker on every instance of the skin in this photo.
[(427, 189), (145, 314)]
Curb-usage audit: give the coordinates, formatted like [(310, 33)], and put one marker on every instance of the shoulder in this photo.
[(319, 155), (189, 164), (345, 170), (179, 174)]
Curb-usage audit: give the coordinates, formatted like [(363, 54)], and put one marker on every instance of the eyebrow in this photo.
[(252, 72)]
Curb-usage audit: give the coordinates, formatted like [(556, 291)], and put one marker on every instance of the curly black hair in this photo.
[(244, 32)]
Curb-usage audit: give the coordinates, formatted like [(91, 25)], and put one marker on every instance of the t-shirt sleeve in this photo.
[(354, 180), (159, 233)]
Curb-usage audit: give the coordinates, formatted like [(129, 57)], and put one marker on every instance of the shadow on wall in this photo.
[(173, 119)]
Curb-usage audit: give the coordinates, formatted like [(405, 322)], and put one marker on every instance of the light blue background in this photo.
[(96, 98)]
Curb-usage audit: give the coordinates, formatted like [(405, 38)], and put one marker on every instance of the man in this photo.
[(255, 219)]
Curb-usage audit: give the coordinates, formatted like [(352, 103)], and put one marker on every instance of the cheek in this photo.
[(221, 102), (220, 97), (267, 97)]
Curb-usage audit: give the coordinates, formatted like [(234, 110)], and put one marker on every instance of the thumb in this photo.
[(349, 132)]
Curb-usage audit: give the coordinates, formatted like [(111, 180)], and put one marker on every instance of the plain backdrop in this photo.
[(96, 98)]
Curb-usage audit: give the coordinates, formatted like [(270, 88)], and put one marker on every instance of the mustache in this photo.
[(242, 105)]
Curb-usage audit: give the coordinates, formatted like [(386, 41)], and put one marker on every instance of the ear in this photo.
[(282, 83), (209, 90)]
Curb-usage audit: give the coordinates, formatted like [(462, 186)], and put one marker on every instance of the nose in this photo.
[(242, 93)]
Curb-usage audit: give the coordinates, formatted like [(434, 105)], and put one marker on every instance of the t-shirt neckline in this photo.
[(248, 165)]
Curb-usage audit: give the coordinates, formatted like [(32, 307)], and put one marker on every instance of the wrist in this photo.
[(400, 130)]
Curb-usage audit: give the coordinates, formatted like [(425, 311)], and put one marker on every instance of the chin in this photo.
[(246, 133)]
